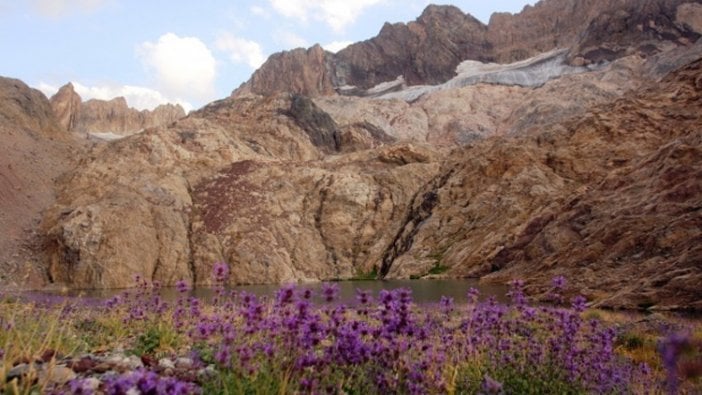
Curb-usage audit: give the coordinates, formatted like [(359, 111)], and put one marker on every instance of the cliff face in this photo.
[(610, 199), (35, 150), (101, 116), (428, 50)]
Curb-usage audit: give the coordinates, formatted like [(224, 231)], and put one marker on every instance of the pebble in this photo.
[(184, 362), (92, 383), (166, 363), (115, 359), (134, 362), (56, 375), (209, 371), (17, 372)]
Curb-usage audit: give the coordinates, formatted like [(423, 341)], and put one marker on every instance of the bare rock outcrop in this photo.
[(322, 220), (135, 206), (457, 116), (428, 50), (35, 150), (108, 116), (594, 176), (303, 71), (610, 199)]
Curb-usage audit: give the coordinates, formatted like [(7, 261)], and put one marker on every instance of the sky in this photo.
[(187, 52)]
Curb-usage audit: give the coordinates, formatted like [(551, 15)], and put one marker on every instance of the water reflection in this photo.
[(423, 291)]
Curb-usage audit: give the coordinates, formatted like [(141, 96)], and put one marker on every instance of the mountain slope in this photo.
[(611, 200), (428, 50), (35, 150)]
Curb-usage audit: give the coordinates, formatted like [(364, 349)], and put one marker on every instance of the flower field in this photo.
[(299, 342)]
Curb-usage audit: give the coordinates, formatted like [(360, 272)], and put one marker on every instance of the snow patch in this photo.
[(105, 136), (532, 72)]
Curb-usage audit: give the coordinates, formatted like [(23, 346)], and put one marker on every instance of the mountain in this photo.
[(108, 116), (611, 199), (428, 50), (559, 141), (35, 151)]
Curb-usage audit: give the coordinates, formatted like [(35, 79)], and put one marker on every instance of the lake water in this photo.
[(423, 291)]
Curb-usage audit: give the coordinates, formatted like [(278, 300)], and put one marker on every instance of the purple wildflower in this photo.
[(579, 304), (182, 286), (671, 348), (559, 283), (490, 386), (220, 272), (330, 292)]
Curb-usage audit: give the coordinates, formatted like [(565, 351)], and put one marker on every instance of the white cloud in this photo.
[(183, 66), (241, 50), (290, 40), (260, 11), (336, 13), (59, 8), (138, 97), (336, 46)]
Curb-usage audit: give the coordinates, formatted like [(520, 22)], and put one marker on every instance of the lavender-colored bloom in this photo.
[(147, 382), (446, 305), (80, 387), (516, 292), (220, 272), (671, 348), (579, 303), (490, 386), (223, 356), (182, 286), (559, 283), (330, 292), (285, 295), (472, 295)]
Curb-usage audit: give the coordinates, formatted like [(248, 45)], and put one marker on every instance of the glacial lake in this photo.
[(423, 291)]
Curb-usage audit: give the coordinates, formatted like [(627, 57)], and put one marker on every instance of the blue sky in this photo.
[(154, 51)]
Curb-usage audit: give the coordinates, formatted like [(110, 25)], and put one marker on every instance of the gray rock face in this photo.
[(319, 126), (428, 50)]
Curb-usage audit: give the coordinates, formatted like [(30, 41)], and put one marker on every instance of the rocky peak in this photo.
[(428, 50), (25, 107), (302, 71), (445, 13), (115, 115), (66, 104)]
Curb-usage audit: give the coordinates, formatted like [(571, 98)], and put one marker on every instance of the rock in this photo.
[(305, 72), (91, 383), (102, 367), (644, 27), (108, 116), (207, 372), (56, 375), (318, 125), (66, 105), (610, 202), (489, 180), (166, 363), (18, 372), (48, 355), (134, 362), (428, 50), (184, 363), (690, 15), (82, 365), (34, 151)]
